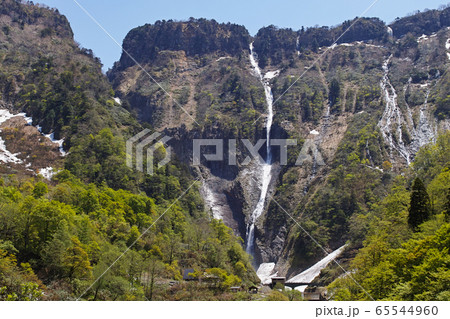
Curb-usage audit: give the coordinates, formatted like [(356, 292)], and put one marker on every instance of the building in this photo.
[(235, 289), (315, 294), (188, 274), (253, 289), (278, 280)]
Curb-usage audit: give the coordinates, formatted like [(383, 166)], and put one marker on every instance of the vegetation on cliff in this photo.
[(406, 242)]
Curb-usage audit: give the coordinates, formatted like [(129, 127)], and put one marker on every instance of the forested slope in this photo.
[(58, 236)]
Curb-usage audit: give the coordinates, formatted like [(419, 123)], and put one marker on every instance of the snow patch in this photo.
[(117, 100), (314, 132), (309, 274), (222, 58), (28, 119), (265, 273), (271, 74), (373, 45), (423, 37), (5, 155), (211, 201), (47, 172), (60, 142), (5, 115), (369, 45)]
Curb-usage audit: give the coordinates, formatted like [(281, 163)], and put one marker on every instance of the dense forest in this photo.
[(405, 254), (56, 239)]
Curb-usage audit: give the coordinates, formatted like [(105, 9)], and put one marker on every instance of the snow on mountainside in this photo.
[(24, 148)]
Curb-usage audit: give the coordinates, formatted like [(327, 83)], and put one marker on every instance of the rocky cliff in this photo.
[(371, 100)]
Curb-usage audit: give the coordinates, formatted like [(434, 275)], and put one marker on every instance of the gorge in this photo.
[(369, 113), (349, 99)]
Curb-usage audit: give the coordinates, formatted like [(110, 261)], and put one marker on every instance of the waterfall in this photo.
[(390, 32), (266, 167), (391, 122), (424, 132)]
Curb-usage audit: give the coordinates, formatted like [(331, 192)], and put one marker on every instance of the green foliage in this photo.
[(335, 91), (274, 45), (17, 282), (207, 36), (100, 158), (420, 23), (40, 189), (395, 262), (361, 30), (74, 233), (276, 295), (419, 209)]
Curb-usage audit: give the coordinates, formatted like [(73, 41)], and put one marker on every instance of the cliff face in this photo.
[(367, 106), (195, 37), (422, 23), (58, 85)]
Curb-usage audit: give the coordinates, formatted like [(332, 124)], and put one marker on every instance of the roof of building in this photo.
[(186, 273)]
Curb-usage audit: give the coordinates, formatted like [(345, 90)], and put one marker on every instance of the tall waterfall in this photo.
[(266, 167)]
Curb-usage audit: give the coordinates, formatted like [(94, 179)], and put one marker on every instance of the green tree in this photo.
[(40, 189), (155, 268), (447, 207), (419, 209), (77, 260), (54, 252), (276, 296), (335, 91)]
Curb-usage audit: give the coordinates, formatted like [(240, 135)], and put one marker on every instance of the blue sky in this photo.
[(120, 16)]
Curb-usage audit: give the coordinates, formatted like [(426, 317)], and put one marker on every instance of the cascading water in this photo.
[(392, 116), (393, 122), (424, 132), (266, 167)]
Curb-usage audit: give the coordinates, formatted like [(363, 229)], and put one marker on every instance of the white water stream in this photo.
[(392, 120), (266, 167)]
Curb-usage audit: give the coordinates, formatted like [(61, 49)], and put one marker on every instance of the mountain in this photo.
[(367, 104), (69, 204), (372, 100), (58, 85)]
